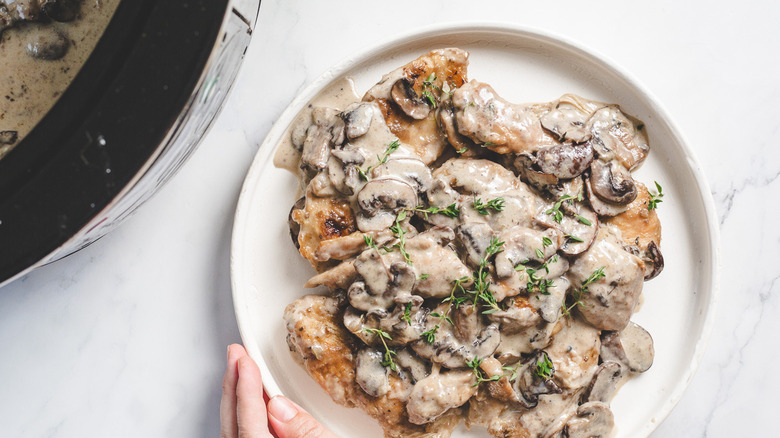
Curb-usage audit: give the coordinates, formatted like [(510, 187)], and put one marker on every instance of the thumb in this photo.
[(290, 421)]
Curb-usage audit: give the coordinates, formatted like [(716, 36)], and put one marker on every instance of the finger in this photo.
[(252, 419), (227, 407), (289, 420)]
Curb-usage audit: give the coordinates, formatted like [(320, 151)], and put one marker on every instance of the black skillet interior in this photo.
[(105, 127)]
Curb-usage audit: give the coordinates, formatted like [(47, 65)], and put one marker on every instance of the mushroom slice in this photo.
[(526, 166), (601, 207), (592, 420), (370, 374), (61, 10), (632, 347), (620, 136), (475, 238), (411, 170), (380, 199), (461, 143), (8, 137), (382, 285), (316, 147), (532, 382), (605, 383), (550, 304), (386, 194), (449, 351), (612, 182), (565, 161), (434, 395), (567, 120), (357, 119), (407, 99), (418, 368)]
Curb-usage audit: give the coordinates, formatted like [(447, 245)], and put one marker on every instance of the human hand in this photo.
[(243, 412)]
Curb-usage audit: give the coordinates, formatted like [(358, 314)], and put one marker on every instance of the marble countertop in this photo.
[(127, 337)]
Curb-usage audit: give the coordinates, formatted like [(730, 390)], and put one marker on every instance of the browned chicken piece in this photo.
[(503, 127), (325, 348), (320, 220), (409, 95), (638, 224), (641, 231)]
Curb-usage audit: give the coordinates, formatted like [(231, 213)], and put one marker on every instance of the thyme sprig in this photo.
[(496, 204), (655, 199), (400, 234), (389, 353), (392, 147), (451, 210), (544, 367), (474, 365)]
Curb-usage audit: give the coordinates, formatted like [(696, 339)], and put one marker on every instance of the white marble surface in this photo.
[(127, 338)]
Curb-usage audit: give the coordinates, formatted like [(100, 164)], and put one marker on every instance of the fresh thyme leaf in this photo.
[(474, 365), (400, 234), (539, 253), (369, 241), (488, 143), (544, 367), (364, 173), (655, 199), (430, 335), (451, 210), (389, 353), (595, 276), (423, 277), (442, 317), (460, 151), (546, 241), (574, 238), (392, 147), (496, 204), (428, 95), (583, 220), (555, 210), (408, 313)]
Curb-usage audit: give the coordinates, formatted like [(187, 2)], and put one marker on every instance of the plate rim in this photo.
[(522, 32)]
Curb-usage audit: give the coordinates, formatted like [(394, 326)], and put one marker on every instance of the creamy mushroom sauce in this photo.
[(492, 282), (39, 59)]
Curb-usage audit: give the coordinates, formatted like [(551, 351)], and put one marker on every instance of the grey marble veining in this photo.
[(127, 338)]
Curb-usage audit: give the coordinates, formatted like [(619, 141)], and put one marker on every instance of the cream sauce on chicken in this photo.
[(484, 279)]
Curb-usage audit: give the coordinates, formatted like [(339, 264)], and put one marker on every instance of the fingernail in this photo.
[(281, 409)]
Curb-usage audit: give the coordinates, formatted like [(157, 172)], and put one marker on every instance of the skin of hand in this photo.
[(243, 412)]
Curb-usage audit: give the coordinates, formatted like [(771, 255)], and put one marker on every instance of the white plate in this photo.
[(523, 66)]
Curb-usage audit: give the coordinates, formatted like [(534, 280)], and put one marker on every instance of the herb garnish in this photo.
[(427, 86), (389, 353), (577, 294), (430, 335), (655, 199), (423, 277), (574, 238), (544, 367), (460, 151), (496, 204), (451, 210), (474, 365), (392, 147), (555, 210), (400, 234), (442, 317), (407, 316), (369, 241)]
